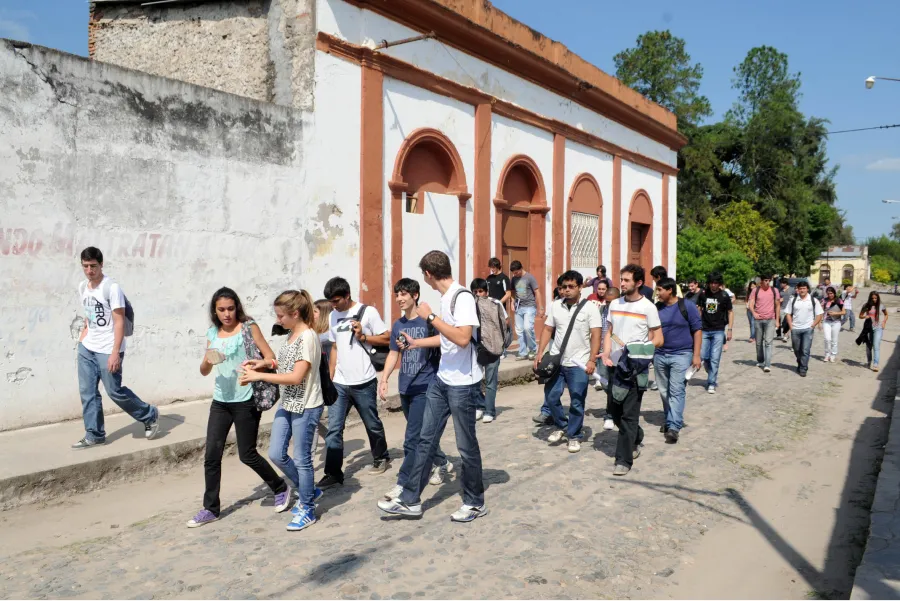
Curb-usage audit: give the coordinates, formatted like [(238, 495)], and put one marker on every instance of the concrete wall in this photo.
[(262, 49), (185, 189), (634, 178), (582, 159)]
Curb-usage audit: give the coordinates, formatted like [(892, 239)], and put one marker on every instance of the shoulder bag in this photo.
[(550, 363), (265, 394)]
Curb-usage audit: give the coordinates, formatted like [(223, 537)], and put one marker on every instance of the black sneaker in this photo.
[(663, 428), (542, 419), (328, 481), (671, 436), (380, 466)]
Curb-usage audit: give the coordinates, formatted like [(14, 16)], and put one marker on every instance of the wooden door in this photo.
[(514, 238), (636, 245)]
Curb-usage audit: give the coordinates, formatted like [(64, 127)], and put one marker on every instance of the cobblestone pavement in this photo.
[(560, 526)]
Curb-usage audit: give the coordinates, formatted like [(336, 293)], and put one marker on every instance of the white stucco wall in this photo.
[(356, 25), (406, 109), (509, 138), (582, 159), (634, 178), (332, 176), (183, 188), (673, 226)]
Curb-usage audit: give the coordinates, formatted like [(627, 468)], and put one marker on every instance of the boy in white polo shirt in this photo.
[(804, 313), (577, 363)]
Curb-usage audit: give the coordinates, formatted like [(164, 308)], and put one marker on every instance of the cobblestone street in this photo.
[(559, 526)]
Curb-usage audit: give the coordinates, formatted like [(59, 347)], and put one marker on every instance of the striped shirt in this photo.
[(632, 321)]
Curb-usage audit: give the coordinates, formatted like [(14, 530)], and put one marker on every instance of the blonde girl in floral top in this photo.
[(297, 374)]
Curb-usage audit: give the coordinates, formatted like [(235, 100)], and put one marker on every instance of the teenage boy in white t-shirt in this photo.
[(804, 313), (101, 351), (353, 336), (450, 394), (632, 318)]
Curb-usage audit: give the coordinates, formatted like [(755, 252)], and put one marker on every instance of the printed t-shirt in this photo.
[(829, 306), (677, 336), (459, 366), (875, 315), (524, 287), (308, 393), (848, 300), (578, 349), (417, 365), (498, 284), (632, 321), (98, 310), (354, 366), (227, 389), (765, 301), (805, 312), (714, 308)]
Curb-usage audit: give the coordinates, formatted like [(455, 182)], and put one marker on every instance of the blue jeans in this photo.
[(711, 353), (444, 401), (765, 334), (364, 398), (873, 353), (851, 317), (752, 323), (670, 371), (525, 330), (414, 409), (299, 470), (488, 400), (801, 341), (92, 368), (577, 381)]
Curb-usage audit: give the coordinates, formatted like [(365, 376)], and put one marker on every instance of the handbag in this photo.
[(265, 394), (550, 363), (377, 354)]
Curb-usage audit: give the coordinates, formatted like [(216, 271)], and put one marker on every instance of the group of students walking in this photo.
[(448, 368)]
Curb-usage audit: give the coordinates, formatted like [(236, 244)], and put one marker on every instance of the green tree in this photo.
[(763, 77), (660, 68), (740, 222), (895, 232), (701, 251)]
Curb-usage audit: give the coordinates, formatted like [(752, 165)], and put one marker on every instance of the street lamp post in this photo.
[(870, 81)]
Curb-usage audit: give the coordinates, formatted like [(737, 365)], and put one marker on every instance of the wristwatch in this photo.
[(431, 318)]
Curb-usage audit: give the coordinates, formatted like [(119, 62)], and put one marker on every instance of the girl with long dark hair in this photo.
[(876, 313), (232, 402)]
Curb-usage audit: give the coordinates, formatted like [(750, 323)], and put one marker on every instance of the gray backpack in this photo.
[(104, 289), (492, 329)]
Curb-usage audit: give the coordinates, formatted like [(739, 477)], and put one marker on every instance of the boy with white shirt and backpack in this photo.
[(450, 394), (101, 351)]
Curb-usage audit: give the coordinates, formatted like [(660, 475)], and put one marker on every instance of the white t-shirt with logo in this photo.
[(98, 312), (578, 349), (459, 366), (807, 311), (632, 321), (353, 363)]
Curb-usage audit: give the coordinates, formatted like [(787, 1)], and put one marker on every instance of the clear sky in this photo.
[(834, 44)]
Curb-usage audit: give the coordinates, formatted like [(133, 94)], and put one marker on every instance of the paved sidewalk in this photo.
[(878, 576), (39, 463)]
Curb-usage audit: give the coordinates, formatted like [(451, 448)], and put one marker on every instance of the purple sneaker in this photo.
[(204, 517), (283, 500)]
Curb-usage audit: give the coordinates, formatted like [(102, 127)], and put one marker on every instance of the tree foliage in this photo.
[(701, 251), (740, 222), (765, 155)]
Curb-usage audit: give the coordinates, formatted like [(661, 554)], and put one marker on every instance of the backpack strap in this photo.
[(358, 317), (453, 307)]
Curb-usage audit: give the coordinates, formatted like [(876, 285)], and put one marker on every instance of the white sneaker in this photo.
[(439, 473), (478, 414), (393, 493), (467, 513), (608, 424), (574, 445), (711, 390), (397, 507), (487, 419), (767, 369), (556, 436)]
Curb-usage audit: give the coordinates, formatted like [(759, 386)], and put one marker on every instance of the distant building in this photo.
[(841, 263)]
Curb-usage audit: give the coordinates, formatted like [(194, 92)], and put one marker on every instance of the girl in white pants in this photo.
[(834, 311)]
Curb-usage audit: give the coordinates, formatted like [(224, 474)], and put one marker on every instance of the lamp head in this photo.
[(870, 81), (373, 45)]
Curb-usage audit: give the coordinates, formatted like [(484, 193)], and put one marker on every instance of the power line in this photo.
[(846, 131)]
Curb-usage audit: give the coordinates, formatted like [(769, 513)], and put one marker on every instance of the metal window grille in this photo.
[(585, 240)]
